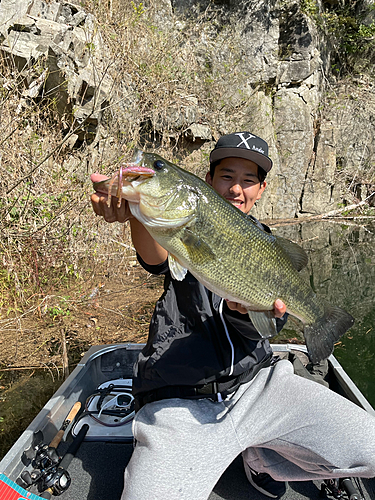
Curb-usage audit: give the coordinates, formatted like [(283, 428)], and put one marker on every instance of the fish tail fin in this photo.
[(321, 336)]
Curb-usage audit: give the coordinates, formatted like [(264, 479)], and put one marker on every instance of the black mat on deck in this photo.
[(97, 474)]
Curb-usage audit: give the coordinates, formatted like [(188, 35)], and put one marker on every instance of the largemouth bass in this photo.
[(224, 249)]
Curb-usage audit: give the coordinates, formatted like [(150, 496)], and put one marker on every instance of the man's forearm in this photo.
[(150, 251)]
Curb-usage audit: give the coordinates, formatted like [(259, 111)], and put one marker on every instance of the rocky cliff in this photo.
[(176, 74)]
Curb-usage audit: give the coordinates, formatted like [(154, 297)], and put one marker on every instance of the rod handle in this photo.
[(71, 415)]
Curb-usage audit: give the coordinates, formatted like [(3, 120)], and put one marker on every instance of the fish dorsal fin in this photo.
[(178, 272), (296, 254), (264, 322)]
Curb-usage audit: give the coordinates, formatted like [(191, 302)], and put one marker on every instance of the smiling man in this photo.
[(205, 386), (239, 181), (241, 164)]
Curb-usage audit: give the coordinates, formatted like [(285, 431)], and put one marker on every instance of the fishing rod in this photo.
[(49, 473), (71, 416)]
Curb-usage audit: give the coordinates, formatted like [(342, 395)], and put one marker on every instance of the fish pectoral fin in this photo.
[(193, 243), (264, 322), (178, 272), (296, 254)]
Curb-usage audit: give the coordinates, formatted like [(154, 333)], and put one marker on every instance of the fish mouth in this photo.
[(126, 175), (132, 172)]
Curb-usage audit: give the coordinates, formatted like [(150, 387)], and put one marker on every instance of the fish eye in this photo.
[(159, 164)]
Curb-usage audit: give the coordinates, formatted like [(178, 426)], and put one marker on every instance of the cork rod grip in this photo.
[(71, 415)]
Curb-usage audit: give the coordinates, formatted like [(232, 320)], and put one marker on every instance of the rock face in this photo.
[(61, 39), (270, 58)]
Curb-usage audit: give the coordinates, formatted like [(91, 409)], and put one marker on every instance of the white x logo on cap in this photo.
[(244, 140)]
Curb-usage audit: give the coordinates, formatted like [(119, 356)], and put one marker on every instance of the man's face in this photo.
[(236, 179)]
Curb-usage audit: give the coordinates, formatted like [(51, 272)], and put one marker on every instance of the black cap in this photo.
[(242, 145)]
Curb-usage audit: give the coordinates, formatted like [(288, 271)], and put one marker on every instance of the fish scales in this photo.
[(225, 250)]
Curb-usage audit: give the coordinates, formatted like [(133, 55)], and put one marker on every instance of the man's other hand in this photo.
[(279, 308)]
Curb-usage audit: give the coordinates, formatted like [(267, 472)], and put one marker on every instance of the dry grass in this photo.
[(50, 239), (62, 268)]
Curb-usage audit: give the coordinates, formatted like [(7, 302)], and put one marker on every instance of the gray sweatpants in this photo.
[(290, 427)]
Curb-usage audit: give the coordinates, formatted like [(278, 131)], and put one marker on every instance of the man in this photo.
[(204, 384)]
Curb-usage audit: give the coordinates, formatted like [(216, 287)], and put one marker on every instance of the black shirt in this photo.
[(194, 338)]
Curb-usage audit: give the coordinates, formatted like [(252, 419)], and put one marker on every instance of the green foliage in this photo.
[(351, 40), (139, 9), (27, 209), (309, 7), (61, 309), (91, 47)]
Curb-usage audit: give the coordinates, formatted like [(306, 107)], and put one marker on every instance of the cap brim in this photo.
[(248, 154)]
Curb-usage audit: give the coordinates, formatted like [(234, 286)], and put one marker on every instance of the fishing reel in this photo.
[(340, 488), (47, 474)]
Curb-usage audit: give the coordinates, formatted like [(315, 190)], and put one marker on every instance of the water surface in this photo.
[(342, 270)]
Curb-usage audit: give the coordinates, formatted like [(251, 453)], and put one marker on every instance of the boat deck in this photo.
[(101, 479)]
